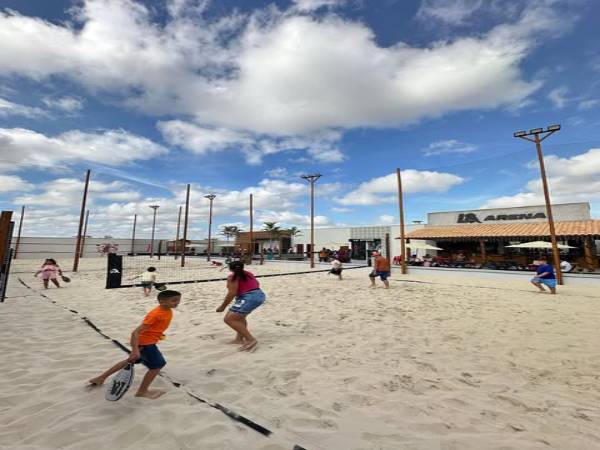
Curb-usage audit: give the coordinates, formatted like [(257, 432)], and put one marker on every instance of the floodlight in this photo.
[(553, 128), (536, 130), (520, 133)]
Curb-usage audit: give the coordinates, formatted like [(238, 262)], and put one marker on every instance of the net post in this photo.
[(6, 230), (114, 271)]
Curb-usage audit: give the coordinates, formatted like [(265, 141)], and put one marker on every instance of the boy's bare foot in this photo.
[(98, 381), (248, 346), (151, 394)]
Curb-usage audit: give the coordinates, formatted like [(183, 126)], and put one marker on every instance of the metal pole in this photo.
[(185, 224), (210, 198), (251, 233), (555, 253), (19, 232), (78, 245), (155, 208), (133, 235), (312, 179), (87, 216), (402, 239)]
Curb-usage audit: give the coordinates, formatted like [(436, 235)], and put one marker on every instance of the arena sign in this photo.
[(472, 217)]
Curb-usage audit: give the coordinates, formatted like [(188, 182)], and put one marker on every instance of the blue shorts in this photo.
[(151, 357), (550, 282), (248, 302), (382, 275)]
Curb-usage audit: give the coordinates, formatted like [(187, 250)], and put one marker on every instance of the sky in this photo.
[(240, 97)]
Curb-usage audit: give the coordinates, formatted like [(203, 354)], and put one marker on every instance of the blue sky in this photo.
[(240, 97)]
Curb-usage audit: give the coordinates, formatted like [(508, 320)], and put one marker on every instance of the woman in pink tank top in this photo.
[(244, 287)]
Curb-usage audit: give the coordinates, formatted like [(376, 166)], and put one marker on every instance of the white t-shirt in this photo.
[(565, 266), (149, 277), (335, 264)]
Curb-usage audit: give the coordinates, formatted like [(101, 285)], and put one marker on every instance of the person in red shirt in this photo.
[(245, 288), (143, 345), (381, 269)]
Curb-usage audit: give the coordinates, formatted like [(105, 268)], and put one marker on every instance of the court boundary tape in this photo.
[(223, 409), (209, 280)]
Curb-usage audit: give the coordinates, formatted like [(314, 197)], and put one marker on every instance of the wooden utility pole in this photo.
[(210, 198), (19, 232), (185, 224), (251, 233), (87, 216), (81, 217), (133, 235), (401, 209), (175, 250), (538, 145)]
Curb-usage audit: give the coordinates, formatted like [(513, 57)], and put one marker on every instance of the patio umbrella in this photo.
[(422, 246), (539, 244)]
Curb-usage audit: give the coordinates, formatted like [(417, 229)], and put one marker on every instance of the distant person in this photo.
[(143, 345), (336, 268), (381, 269), (323, 255), (148, 278), (50, 271), (544, 276), (566, 266), (244, 287)]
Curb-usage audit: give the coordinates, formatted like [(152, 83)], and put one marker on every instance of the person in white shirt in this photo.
[(148, 278), (565, 266), (336, 268)]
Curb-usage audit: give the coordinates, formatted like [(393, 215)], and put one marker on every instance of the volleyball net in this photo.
[(124, 271)]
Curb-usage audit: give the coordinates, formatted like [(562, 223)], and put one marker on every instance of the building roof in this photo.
[(261, 236), (579, 228)]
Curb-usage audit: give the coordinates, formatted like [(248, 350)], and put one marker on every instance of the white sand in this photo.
[(339, 366)]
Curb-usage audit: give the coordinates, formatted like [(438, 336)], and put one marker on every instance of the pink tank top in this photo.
[(247, 285)]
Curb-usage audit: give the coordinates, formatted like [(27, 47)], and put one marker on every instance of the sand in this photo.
[(427, 364)]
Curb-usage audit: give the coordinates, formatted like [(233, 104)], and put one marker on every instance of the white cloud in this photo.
[(588, 104), (574, 179), (21, 148), (558, 96), (66, 104), (448, 147), (337, 209), (11, 183), (454, 12), (8, 108), (312, 5), (321, 146), (378, 190), (277, 172), (272, 72), (386, 219)]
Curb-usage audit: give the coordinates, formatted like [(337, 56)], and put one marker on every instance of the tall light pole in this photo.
[(154, 207), (312, 180), (210, 198), (536, 132)]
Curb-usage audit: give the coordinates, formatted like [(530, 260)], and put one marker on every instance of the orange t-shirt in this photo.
[(382, 264), (158, 321)]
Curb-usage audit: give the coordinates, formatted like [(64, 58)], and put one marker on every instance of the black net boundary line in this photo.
[(227, 411), (209, 280)]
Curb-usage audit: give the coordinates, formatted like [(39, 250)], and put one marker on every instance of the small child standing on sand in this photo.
[(148, 278), (50, 271), (336, 268), (143, 345)]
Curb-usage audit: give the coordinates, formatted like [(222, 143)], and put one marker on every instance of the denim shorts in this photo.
[(550, 282), (151, 357), (382, 275), (247, 302)]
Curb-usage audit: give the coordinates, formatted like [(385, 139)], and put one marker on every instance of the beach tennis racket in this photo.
[(160, 286), (120, 384), (65, 279)]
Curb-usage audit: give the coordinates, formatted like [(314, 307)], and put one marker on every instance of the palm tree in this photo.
[(294, 231), (230, 231), (272, 229)]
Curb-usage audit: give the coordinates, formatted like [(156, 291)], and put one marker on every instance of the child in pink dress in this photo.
[(49, 271)]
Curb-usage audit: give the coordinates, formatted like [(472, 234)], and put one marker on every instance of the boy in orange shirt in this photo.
[(143, 344)]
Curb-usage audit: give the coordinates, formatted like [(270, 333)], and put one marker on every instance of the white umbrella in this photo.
[(539, 244), (422, 246)]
